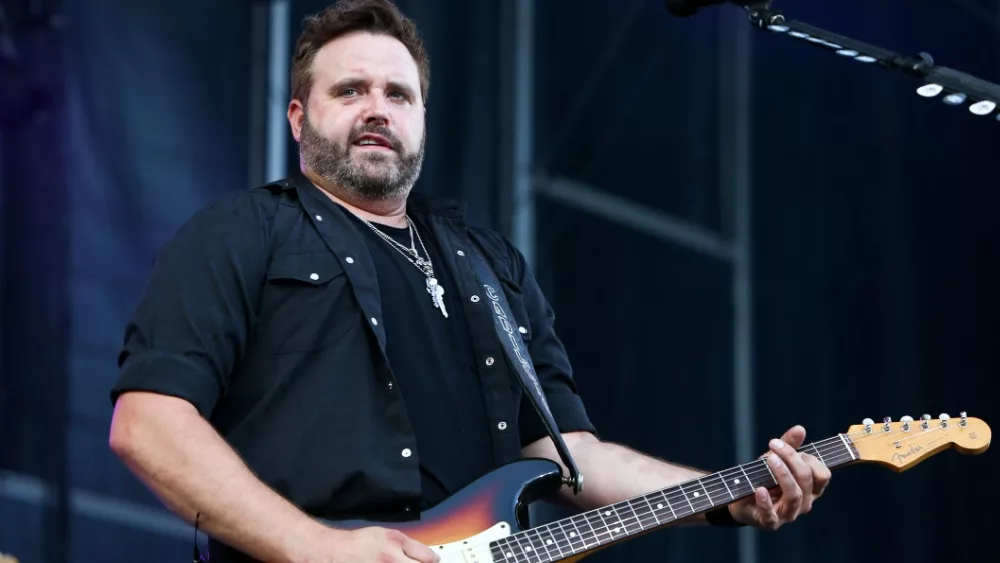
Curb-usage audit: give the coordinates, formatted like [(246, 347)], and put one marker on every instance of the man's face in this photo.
[(363, 129)]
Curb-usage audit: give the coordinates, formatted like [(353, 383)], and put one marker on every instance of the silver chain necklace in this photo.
[(423, 264)]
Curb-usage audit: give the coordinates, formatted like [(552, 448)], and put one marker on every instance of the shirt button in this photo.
[(374, 321), (522, 330), (314, 276), (407, 452), (349, 260), (319, 217), (502, 425), (460, 253), (475, 298), (489, 361)]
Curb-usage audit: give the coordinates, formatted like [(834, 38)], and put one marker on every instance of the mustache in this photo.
[(380, 130)]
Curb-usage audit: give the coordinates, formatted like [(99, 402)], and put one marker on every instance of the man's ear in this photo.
[(296, 115)]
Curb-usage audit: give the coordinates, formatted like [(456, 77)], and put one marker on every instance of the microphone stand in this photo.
[(981, 97)]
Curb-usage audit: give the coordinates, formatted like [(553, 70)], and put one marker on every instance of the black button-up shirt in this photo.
[(264, 311)]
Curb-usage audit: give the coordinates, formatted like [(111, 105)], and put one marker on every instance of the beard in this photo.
[(372, 175)]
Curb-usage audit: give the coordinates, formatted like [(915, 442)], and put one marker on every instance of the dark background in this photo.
[(873, 244)]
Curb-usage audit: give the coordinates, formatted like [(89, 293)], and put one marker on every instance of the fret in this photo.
[(499, 551), (621, 528), (768, 466), (602, 526), (709, 496), (556, 540), (718, 490), (651, 509), (663, 500), (647, 516), (560, 536), (694, 499), (818, 454), (750, 482), (593, 534), (524, 552), (722, 478), (632, 522), (539, 543), (574, 541)]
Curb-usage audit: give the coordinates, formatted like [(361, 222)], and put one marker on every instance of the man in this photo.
[(317, 347)]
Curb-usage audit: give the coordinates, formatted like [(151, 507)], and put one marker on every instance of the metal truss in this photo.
[(529, 182)]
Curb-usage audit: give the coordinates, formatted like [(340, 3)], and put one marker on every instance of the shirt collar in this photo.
[(420, 202)]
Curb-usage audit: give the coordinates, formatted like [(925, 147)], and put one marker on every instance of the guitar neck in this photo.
[(617, 522)]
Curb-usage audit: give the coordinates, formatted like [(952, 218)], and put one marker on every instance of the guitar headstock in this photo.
[(901, 445)]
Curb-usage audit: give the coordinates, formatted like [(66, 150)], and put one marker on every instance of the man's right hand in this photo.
[(376, 544)]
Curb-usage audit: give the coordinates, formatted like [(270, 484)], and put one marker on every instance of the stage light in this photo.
[(984, 107), (955, 99), (847, 53), (930, 90), (865, 59)]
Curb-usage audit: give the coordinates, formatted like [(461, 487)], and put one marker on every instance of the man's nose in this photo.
[(377, 110)]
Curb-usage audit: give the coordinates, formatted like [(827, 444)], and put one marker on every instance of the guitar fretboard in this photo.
[(595, 528)]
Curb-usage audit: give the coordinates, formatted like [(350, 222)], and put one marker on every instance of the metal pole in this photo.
[(735, 138), (277, 90), (523, 203)]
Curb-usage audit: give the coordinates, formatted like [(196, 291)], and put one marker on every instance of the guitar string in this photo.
[(641, 517)]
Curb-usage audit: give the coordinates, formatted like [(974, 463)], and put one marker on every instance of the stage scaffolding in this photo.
[(527, 181)]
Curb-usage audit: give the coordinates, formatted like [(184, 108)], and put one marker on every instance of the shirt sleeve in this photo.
[(552, 365), (196, 310)]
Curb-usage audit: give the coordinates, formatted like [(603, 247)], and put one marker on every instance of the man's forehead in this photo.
[(372, 57)]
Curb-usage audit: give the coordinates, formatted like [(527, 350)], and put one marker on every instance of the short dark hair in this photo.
[(347, 16)]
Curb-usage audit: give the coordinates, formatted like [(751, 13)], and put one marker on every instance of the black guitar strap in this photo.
[(517, 355)]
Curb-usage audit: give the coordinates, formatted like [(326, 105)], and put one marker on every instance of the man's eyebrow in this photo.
[(348, 83), (400, 86), (358, 82)]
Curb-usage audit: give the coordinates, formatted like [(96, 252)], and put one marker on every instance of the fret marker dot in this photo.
[(607, 513), (572, 534), (528, 548), (659, 506), (510, 554), (616, 530), (549, 542), (696, 495), (736, 481)]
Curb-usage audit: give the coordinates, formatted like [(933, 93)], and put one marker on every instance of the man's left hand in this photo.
[(801, 478)]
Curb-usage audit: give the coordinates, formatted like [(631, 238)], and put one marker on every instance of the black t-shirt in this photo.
[(433, 361)]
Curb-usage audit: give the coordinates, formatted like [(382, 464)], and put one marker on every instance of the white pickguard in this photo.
[(474, 549)]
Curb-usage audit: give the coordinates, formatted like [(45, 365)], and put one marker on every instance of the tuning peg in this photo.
[(925, 424), (963, 422), (868, 425), (885, 422), (944, 419), (906, 420)]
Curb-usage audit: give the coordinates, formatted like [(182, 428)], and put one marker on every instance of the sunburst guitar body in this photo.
[(486, 522)]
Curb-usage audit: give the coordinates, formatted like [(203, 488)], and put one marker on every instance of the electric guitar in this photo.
[(484, 522)]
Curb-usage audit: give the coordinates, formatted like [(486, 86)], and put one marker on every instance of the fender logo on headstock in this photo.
[(900, 457), (973, 436)]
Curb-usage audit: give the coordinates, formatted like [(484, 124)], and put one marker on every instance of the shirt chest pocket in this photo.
[(307, 304)]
